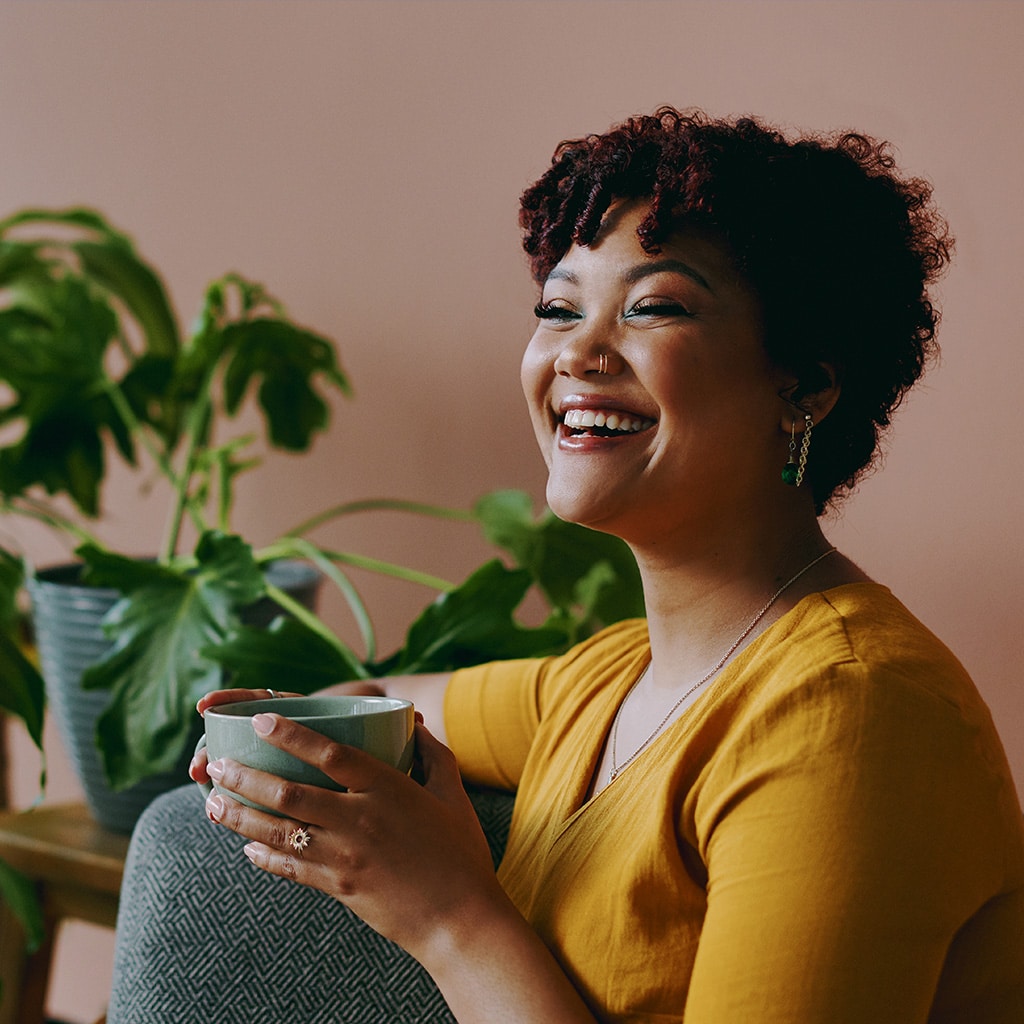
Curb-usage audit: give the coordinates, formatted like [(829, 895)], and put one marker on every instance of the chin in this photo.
[(584, 510)]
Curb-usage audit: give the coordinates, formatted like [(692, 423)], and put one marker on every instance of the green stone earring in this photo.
[(793, 470)]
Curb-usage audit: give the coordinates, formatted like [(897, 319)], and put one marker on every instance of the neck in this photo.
[(699, 601)]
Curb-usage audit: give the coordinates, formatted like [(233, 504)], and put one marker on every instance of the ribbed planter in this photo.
[(67, 617)]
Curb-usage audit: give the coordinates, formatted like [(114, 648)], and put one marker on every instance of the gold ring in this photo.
[(299, 839), (602, 363)]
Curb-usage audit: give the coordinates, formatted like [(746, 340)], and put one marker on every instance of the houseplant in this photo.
[(95, 366)]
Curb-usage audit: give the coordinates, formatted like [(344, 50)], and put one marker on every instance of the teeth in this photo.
[(586, 418)]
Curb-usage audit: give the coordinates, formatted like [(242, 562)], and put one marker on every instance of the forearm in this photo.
[(493, 968)]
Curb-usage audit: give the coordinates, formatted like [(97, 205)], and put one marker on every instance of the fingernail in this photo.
[(263, 724), (249, 850), (215, 769), (215, 807)]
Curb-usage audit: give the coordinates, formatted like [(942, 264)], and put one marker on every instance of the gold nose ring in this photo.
[(602, 363)]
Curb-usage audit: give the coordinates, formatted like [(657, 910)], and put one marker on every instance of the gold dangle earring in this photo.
[(794, 469)]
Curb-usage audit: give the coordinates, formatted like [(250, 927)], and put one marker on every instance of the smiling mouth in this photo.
[(597, 423)]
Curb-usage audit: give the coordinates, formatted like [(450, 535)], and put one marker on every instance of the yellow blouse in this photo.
[(831, 834)]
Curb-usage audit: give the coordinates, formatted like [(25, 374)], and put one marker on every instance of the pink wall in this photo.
[(364, 159)]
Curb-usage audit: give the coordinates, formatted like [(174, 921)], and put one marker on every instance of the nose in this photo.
[(587, 353)]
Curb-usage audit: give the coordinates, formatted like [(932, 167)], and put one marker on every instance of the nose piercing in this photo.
[(602, 363)]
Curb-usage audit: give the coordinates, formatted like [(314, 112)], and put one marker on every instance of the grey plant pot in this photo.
[(67, 618)]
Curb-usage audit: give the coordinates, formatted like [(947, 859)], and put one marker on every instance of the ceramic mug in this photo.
[(382, 726)]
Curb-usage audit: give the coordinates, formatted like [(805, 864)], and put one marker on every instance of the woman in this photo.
[(778, 798)]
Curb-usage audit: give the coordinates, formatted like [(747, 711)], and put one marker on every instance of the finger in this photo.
[(348, 766), (280, 846), (292, 800), (278, 832), (197, 768), (216, 697)]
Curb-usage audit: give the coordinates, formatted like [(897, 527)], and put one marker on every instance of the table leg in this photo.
[(25, 976)]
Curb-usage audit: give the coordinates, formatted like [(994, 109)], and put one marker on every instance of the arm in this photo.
[(841, 860)]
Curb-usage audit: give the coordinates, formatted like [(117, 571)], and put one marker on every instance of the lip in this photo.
[(569, 441)]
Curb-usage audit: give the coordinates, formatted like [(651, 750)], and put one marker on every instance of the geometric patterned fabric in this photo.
[(205, 938)]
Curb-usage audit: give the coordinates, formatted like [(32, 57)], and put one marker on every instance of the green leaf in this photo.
[(20, 895), (286, 358), (147, 387), (20, 261), (22, 692), (77, 217), (121, 272), (561, 556), (155, 668), (12, 578), (287, 655), (52, 346), (474, 623)]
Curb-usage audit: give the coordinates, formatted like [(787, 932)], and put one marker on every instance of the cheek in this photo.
[(534, 371)]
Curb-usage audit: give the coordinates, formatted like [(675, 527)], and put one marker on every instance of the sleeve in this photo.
[(848, 834), (491, 713)]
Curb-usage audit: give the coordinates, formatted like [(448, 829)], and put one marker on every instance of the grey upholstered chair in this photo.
[(202, 936)]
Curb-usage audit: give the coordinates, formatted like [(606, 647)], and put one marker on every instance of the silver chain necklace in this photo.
[(616, 767)]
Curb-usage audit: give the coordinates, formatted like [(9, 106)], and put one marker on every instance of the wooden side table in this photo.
[(77, 866)]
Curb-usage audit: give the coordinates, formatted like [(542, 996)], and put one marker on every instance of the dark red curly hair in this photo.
[(839, 247)]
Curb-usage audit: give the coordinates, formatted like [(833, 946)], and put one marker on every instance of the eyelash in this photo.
[(660, 309), (547, 311)]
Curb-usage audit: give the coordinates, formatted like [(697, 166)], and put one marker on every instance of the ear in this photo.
[(814, 394)]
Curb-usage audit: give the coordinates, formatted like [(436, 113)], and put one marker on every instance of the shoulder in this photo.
[(850, 684), (862, 630)]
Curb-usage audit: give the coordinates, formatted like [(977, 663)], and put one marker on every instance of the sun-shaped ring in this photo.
[(299, 839)]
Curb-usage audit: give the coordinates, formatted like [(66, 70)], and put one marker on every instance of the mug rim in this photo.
[(248, 708)]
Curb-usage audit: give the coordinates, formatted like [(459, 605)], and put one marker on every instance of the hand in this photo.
[(410, 860)]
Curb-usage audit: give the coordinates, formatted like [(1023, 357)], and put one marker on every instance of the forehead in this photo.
[(616, 252)]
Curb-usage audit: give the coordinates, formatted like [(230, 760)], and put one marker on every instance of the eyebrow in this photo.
[(640, 271)]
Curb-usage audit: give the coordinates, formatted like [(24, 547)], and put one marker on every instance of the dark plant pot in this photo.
[(66, 617)]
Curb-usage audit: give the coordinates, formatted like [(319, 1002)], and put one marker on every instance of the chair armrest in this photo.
[(203, 936)]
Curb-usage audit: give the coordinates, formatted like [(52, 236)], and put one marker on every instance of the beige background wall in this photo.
[(364, 159)]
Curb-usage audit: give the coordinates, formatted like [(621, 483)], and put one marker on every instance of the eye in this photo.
[(549, 311), (659, 307)]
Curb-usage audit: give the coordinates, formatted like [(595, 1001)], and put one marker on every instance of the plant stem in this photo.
[(381, 505), (195, 430), (304, 549), (399, 572), (34, 509), (162, 461)]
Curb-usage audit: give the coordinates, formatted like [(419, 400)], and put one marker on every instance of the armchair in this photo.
[(202, 936)]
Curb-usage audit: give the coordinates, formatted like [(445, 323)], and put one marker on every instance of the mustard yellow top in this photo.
[(831, 834)]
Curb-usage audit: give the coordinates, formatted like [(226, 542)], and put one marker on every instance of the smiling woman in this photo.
[(776, 798)]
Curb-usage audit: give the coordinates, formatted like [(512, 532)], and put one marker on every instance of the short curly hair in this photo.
[(839, 247)]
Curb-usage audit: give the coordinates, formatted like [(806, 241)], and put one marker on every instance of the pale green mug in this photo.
[(382, 726)]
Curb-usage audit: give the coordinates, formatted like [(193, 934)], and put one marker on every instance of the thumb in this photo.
[(438, 767)]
